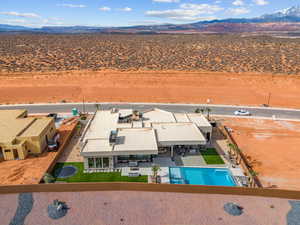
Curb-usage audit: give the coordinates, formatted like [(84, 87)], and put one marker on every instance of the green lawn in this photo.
[(95, 177), (211, 156)]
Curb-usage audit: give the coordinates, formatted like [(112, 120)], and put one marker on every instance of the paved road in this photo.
[(215, 109)]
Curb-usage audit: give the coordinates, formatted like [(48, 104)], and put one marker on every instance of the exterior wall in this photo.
[(33, 145), (49, 131), (206, 130), (8, 151), (37, 145)]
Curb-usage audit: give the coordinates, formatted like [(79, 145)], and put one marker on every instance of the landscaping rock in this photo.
[(57, 210), (233, 209)]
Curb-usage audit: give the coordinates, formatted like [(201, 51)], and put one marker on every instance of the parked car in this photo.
[(53, 144), (242, 112)]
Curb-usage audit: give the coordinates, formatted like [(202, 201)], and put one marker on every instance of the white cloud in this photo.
[(26, 15), (166, 1), (261, 2), (105, 9), (238, 2), (239, 11), (145, 22), (72, 5), (187, 12), (126, 9), (14, 21)]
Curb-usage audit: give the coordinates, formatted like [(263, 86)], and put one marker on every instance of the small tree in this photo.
[(197, 110), (136, 112), (155, 169), (208, 110), (231, 148), (48, 178), (97, 106)]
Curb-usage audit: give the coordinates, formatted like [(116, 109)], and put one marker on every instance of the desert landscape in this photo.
[(227, 69), (198, 52)]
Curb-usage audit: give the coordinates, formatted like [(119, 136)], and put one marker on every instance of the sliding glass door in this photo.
[(98, 162)]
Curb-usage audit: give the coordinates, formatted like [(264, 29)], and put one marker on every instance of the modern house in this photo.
[(21, 135), (123, 136)]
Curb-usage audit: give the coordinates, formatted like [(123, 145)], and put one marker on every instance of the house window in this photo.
[(91, 162), (105, 162), (99, 162)]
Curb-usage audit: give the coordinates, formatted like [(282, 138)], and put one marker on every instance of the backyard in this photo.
[(211, 156), (80, 176)]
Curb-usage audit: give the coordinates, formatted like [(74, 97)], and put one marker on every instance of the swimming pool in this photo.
[(201, 176)]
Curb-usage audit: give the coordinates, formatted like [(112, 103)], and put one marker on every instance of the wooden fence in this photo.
[(171, 188), (61, 149)]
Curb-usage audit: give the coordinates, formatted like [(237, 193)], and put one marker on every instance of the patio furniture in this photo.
[(133, 174), (134, 168), (133, 164)]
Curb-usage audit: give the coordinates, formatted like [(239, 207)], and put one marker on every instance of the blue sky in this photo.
[(38, 13)]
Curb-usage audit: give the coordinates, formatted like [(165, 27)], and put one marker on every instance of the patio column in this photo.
[(111, 162), (172, 151)]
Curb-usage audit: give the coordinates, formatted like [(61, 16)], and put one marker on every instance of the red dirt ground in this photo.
[(275, 146), (32, 169), (145, 208), (149, 86)]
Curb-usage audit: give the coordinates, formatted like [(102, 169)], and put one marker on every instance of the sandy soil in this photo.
[(32, 169), (168, 86), (143, 208), (274, 145)]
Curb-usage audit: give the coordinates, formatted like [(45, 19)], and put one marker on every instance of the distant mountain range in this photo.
[(285, 20)]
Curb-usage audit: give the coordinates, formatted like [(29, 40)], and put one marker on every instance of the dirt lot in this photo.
[(275, 147), (32, 169), (143, 86)]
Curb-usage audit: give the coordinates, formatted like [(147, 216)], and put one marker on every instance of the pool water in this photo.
[(201, 176)]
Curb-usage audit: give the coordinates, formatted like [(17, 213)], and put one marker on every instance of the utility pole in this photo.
[(83, 105), (269, 98)]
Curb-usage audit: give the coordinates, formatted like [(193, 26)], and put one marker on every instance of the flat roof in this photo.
[(11, 128), (125, 112), (181, 117), (11, 114), (101, 126), (158, 115), (199, 120), (178, 132), (136, 140), (97, 145), (36, 128)]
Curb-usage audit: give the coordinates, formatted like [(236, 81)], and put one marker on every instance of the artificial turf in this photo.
[(95, 177), (211, 156)]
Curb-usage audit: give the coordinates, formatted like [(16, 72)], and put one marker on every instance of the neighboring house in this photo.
[(21, 135), (118, 136)]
